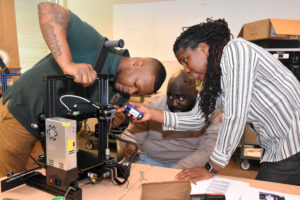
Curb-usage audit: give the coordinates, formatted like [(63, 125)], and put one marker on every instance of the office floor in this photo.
[(232, 169)]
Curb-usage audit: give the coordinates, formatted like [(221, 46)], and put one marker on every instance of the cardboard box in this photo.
[(279, 29), (250, 136)]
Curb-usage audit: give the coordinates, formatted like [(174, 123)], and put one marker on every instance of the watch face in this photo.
[(208, 166)]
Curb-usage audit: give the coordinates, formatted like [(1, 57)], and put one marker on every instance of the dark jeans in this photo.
[(285, 171)]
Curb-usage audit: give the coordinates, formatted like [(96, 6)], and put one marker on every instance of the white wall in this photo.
[(97, 13), (30, 40), (150, 29)]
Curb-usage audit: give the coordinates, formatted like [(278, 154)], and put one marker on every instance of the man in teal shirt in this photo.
[(74, 46)]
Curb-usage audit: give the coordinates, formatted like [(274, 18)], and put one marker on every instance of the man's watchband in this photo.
[(210, 168)]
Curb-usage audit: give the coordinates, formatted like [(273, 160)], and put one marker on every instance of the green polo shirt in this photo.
[(26, 94)]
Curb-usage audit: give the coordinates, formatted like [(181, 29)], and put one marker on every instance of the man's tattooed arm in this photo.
[(54, 24), (54, 20)]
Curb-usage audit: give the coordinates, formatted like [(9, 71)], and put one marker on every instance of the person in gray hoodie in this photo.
[(173, 148)]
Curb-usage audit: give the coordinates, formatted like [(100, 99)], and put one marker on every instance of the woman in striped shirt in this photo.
[(250, 86)]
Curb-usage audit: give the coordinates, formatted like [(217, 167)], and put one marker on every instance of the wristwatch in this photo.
[(210, 168)]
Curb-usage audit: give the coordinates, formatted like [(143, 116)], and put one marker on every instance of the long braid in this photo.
[(216, 34)]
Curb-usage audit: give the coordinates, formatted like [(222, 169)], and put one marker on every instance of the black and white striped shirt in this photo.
[(258, 89)]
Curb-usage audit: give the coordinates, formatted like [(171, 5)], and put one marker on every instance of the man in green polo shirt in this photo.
[(74, 46)]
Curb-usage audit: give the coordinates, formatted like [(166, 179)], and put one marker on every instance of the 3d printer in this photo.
[(66, 166)]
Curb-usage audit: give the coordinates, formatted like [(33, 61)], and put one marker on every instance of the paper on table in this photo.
[(253, 194), (232, 189)]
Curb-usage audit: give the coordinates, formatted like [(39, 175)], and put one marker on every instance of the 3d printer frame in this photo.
[(58, 181), (65, 183)]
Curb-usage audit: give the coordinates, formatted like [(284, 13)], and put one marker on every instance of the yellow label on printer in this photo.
[(70, 145)]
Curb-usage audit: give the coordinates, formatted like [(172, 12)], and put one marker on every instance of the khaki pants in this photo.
[(16, 143)]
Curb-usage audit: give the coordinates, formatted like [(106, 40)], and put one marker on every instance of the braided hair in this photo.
[(216, 34)]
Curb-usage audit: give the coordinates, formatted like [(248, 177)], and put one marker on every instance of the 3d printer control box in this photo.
[(61, 143)]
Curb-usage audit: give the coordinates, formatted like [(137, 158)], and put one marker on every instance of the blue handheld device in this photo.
[(133, 111)]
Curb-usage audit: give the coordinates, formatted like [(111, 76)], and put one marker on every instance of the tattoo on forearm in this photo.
[(52, 40), (57, 17)]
